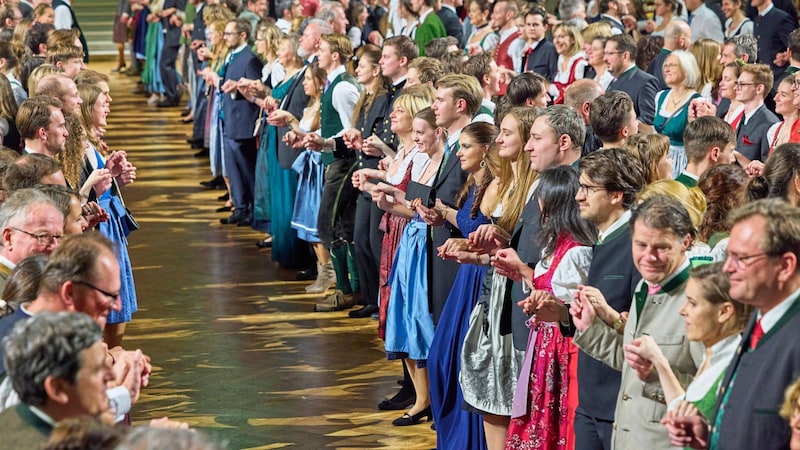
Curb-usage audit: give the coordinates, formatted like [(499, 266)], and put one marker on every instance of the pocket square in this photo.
[(746, 140)]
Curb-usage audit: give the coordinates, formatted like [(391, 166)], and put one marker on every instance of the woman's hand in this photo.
[(488, 239), (583, 313), (755, 168), (507, 263), (353, 139), (373, 146), (99, 180), (635, 355), (294, 139), (451, 246), (93, 214), (546, 307)]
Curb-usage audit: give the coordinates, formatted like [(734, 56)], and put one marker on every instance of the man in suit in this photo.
[(662, 232), (452, 24), (338, 201), (771, 28), (333, 13), (762, 262), (458, 98), (610, 181), (430, 26), (755, 81), (620, 57), (704, 22), (57, 363), (172, 17), (611, 12), (710, 141), (396, 55), (238, 121), (539, 54), (677, 36), (556, 139), (613, 119), (580, 95)]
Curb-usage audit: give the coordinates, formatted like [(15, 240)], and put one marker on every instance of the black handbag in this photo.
[(126, 219)]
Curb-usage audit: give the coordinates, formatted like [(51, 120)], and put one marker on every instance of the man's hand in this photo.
[(583, 314), (686, 428)]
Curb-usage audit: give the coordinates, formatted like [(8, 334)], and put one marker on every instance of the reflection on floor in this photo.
[(235, 347)]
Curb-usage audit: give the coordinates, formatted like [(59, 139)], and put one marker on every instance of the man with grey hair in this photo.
[(741, 46), (677, 36), (573, 12), (82, 276), (30, 223), (57, 364), (333, 13)]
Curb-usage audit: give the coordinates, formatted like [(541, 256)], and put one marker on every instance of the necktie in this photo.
[(653, 289), (327, 85), (758, 332)]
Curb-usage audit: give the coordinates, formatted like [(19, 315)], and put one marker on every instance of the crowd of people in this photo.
[(576, 225), (559, 218)]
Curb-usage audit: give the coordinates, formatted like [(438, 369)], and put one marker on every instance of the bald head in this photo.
[(677, 35), (580, 94)]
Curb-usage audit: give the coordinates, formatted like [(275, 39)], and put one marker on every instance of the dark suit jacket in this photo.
[(772, 33), (442, 272), (750, 136), (239, 114), (642, 88), (786, 6), (750, 419), (655, 68), (542, 60), (452, 24), (25, 9), (613, 273), (294, 101), (523, 240)]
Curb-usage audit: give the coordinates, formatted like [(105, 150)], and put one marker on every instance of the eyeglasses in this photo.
[(612, 53), (738, 85), (584, 189), (740, 262), (670, 66), (229, 33), (113, 297), (43, 238)]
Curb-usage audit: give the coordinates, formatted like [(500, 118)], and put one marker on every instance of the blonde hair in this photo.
[(571, 31), (601, 30), (692, 199), (706, 53), (272, 39), (518, 189), (649, 148)]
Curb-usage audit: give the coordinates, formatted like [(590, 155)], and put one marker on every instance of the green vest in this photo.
[(329, 117), (686, 180)]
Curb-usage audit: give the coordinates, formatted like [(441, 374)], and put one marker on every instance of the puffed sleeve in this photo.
[(572, 271)]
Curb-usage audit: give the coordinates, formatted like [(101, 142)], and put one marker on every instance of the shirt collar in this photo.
[(681, 268), (619, 223), (448, 7), (422, 17), (401, 80), (5, 261), (335, 73), (42, 415), (238, 49), (767, 10), (506, 33), (774, 315)]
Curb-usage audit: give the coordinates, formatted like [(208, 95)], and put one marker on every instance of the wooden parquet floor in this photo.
[(235, 347)]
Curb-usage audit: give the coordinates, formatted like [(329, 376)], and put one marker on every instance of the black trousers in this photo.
[(368, 238), (337, 208)]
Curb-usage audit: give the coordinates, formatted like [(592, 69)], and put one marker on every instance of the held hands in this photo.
[(373, 146), (700, 107), (755, 168), (313, 141), (507, 263), (93, 214), (546, 307), (429, 215), (488, 239), (100, 181), (640, 354), (353, 139), (280, 118), (229, 86), (583, 312), (456, 249), (686, 427)]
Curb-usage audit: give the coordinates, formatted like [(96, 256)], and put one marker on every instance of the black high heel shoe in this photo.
[(407, 419)]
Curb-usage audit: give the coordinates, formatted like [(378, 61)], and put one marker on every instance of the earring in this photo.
[(482, 164)]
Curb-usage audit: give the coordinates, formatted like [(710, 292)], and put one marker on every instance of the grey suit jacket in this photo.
[(641, 405)]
